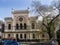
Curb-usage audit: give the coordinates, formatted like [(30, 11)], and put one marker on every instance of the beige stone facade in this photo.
[(21, 26)]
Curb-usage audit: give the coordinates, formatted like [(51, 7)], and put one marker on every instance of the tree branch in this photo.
[(54, 18), (44, 25)]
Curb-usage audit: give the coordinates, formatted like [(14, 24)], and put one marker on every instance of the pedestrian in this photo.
[(52, 41)]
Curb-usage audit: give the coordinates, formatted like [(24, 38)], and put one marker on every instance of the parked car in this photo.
[(11, 42)]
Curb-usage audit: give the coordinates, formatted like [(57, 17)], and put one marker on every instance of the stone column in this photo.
[(19, 35), (6, 35), (28, 36), (23, 35), (14, 35), (13, 25), (31, 36)]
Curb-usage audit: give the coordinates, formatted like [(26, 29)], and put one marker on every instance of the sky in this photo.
[(7, 5)]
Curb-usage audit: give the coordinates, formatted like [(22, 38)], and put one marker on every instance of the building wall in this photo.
[(26, 19)]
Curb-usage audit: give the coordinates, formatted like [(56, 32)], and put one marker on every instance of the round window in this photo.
[(20, 19)]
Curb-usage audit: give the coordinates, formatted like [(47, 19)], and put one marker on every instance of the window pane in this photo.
[(33, 36), (20, 25), (21, 36), (43, 35), (24, 25), (9, 26), (17, 26), (8, 35), (25, 36), (33, 26), (16, 35)]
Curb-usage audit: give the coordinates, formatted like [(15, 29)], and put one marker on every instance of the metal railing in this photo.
[(18, 28), (15, 28)]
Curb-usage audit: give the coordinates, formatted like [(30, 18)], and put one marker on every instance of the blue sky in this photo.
[(7, 5)]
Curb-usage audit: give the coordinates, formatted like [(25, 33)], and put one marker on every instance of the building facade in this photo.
[(21, 26), (1, 31)]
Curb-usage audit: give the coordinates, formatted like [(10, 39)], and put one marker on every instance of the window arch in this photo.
[(25, 36), (17, 26), (9, 26), (33, 26), (25, 26), (16, 35), (43, 35), (8, 35), (21, 26), (33, 36), (21, 36)]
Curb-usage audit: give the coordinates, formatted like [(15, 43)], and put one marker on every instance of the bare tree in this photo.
[(48, 22), (57, 5)]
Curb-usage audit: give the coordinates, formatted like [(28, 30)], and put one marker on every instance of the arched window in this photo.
[(21, 26), (17, 26), (8, 35), (43, 35), (25, 26), (25, 36), (33, 26), (9, 26), (21, 36), (16, 35), (33, 36)]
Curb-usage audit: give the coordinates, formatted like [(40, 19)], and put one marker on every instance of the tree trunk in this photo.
[(58, 37), (49, 33)]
